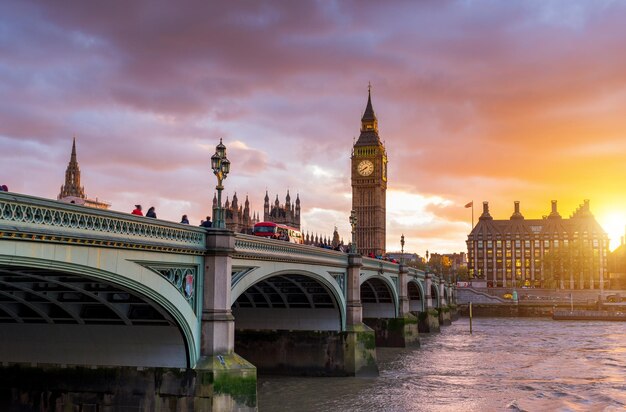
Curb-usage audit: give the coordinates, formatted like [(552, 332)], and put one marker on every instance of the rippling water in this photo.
[(507, 364)]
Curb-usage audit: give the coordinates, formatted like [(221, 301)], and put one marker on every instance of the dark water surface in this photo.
[(507, 364)]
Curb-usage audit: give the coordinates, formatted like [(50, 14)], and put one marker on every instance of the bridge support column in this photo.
[(428, 321), (402, 331), (228, 377), (360, 356), (454, 314), (444, 310)]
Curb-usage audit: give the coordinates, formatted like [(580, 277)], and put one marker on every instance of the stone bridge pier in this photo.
[(389, 314)]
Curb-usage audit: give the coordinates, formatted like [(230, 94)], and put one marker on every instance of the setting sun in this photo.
[(614, 223)]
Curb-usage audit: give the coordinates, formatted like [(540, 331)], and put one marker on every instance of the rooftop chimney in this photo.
[(485, 215), (516, 214), (554, 214)]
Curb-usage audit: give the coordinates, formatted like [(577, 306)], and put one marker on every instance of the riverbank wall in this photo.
[(526, 310)]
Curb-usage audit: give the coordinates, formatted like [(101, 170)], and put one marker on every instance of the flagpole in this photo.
[(472, 228)]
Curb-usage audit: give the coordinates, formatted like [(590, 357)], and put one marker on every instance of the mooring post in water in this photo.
[(470, 313)]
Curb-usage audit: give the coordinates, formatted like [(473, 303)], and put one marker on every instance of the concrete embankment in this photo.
[(589, 315)]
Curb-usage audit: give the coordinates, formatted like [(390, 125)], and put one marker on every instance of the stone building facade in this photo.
[(549, 253), (287, 214), (237, 217)]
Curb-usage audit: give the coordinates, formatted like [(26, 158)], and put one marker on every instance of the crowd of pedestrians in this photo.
[(138, 211)]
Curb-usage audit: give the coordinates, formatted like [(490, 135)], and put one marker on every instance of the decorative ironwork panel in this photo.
[(340, 278), (184, 279), (238, 273)]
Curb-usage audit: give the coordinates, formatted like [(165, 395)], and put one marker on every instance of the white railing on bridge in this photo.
[(34, 218), (260, 248)]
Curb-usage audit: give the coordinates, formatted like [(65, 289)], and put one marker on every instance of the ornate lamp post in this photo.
[(402, 249), (353, 224), (221, 166)]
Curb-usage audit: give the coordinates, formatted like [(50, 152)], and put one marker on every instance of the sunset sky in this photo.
[(476, 100)]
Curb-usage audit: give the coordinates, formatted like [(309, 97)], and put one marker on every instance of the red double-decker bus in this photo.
[(278, 231)]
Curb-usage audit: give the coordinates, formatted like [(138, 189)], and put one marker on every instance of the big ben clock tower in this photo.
[(369, 185)]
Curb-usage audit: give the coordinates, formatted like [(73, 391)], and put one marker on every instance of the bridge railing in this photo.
[(29, 217), (260, 248), (382, 266)]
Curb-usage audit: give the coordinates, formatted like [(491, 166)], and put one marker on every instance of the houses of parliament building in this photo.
[(238, 218)]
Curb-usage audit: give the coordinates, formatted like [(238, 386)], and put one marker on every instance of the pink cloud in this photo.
[(484, 100)]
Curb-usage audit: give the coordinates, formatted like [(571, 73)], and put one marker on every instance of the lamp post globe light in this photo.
[(353, 222), (402, 249), (221, 167)]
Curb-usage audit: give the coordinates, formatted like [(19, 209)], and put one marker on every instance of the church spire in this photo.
[(72, 185), (369, 124), (73, 156), (369, 114)]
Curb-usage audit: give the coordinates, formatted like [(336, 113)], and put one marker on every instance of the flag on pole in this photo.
[(470, 204)]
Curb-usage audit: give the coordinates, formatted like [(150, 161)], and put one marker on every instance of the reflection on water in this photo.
[(511, 364)]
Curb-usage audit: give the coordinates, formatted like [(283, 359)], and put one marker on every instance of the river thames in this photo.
[(507, 364)]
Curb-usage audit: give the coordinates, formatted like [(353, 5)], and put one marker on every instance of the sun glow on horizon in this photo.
[(614, 223)]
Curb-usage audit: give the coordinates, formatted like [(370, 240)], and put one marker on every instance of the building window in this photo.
[(508, 253), (527, 244), (518, 243), (537, 244), (480, 244), (518, 263), (537, 253), (498, 243), (556, 242), (508, 244), (546, 243), (498, 253), (489, 244)]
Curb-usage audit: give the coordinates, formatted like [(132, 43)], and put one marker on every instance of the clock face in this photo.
[(365, 168)]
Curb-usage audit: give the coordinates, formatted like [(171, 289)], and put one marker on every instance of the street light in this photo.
[(402, 249), (221, 167), (353, 224)]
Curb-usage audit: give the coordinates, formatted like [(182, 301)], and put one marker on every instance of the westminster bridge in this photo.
[(105, 308)]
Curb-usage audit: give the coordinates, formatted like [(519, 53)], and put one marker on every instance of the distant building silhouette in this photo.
[(236, 217), (72, 191), (287, 214), (551, 252)]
